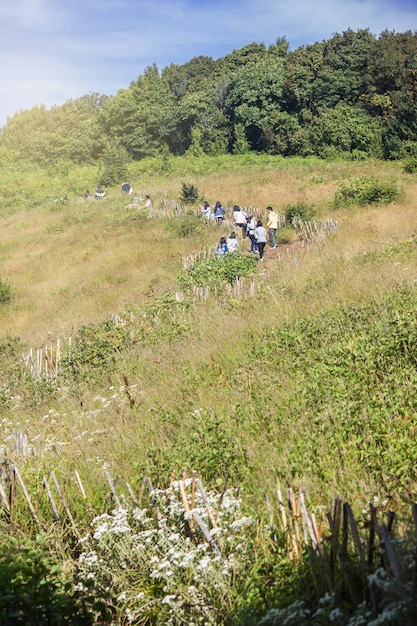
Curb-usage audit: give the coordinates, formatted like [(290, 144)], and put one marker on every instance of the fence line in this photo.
[(335, 538)]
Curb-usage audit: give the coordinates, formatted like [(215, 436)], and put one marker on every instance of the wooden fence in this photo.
[(333, 536)]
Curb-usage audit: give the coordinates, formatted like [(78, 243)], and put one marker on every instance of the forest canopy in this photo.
[(354, 96)]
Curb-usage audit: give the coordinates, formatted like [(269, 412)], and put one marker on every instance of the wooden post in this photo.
[(26, 494), (207, 504), (64, 504), (112, 489), (206, 532), (51, 500), (284, 519)]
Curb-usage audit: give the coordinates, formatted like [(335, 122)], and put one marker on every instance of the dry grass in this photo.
[(69, 264)]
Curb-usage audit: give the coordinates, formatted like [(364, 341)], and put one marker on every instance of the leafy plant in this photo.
[(31, 588), (302, 210), (362, 190), (215, 272)]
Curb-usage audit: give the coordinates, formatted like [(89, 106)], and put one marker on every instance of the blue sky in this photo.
[(52, 51)]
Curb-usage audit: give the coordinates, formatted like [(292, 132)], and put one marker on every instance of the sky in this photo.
[(52, 51)]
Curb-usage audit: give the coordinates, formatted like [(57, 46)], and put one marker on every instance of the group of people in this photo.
[(98, 195), (250, 227)]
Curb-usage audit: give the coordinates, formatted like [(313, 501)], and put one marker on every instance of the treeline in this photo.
[(353, 95)]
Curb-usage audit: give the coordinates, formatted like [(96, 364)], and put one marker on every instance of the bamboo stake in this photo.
[(64, 504), (80, 485), (51, 500), (293, 508), (355, 534), (3, 498), (26, 494), (206, 532), (132, 495), (284, 518), (391, 555), (307, 521), (207, 504), (112, 489)]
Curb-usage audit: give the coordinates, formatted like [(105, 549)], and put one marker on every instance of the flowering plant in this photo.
[(166, 563)]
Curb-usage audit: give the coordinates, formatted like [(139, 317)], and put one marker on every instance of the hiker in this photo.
[(232, 242), (219, 212), (272, 225), (260, 236), (222, 248), (100, 193), (126, 188), (87, 195), (206, 210), (251, 232), (239, 218), (148, 205)]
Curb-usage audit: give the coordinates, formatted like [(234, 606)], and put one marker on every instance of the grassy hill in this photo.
[(309, 381)]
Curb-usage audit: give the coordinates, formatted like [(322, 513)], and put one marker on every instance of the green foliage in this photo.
[(114, 168), (361, 191), (32, 591), (215, 272), (97, 345), (240, 144), (185, 225), (5, 292), (189, 194), (410, 165), (302, 210)]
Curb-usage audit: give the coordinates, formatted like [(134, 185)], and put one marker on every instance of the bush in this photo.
[(31, 590), (5, 294), (410, 165), (189, 194), (185, 225), (216, 272), (361, 191), (302, 210)]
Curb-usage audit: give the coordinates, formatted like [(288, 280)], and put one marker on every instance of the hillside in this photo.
[(307, 380)]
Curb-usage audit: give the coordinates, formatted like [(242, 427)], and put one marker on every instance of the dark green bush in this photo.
[(189, 194), (32, 591), (361, 191)]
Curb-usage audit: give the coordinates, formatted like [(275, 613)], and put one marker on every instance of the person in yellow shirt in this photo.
[(272, 225)]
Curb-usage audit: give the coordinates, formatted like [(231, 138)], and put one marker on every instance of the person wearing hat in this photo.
[(272, 225)]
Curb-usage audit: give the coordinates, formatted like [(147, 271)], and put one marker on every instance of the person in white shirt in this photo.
[(232, 242), (240, 219)]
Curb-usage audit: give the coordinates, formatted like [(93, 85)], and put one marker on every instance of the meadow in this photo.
[(309, 381)]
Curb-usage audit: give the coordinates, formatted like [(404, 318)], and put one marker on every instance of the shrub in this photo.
[(361, 191), (189, 194), (216, 272), (185, 225), (31, 589), (302, 210), (410, 165), (5, 294)]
